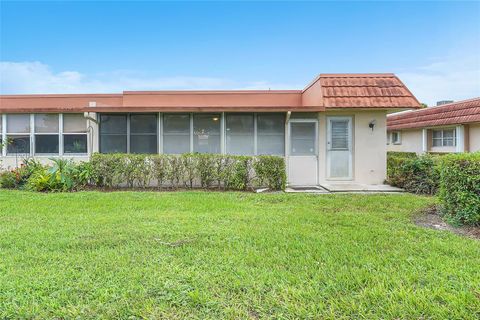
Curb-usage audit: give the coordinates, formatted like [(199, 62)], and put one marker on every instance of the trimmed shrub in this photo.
[(460, 188), (188, 171), (271, 172), (416, 174)]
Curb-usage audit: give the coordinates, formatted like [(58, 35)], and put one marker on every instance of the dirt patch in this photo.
[(430, 218)]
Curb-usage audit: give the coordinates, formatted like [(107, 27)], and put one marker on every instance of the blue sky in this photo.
[(53, 47)]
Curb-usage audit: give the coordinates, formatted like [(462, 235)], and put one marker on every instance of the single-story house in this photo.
[(332, 131), (452, 127)]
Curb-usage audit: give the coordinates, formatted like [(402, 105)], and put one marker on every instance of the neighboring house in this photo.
[(452, 127), (333, 130)]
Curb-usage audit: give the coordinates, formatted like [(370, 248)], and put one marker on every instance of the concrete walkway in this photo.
[(344, 188)]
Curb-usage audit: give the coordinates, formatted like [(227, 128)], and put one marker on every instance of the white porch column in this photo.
[(460, 138), (93, 132), (222, 134), (3, 134), (424, 140)]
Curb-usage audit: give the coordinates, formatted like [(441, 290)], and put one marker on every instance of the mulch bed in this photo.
[(430, 218)]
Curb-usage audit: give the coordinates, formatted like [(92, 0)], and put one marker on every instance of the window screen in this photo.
[(206, 133), (18, 123), (113, 133), (46, 133), (18, 144), (240, 134), (176, 133), (1, 136), (74, 123), (303, 138), (143, 133), (339, 135), (74, 134), (271, 134), (18, 133)]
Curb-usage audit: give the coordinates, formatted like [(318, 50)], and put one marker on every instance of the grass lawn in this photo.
[(129, 255)]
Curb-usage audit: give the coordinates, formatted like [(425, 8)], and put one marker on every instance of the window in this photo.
[(339, 135), (113, 133), (176, 133), (18, 133), (240, 134), (388, 137), (143, 133), (74, 134), (271, 134), (206, 133), (303, 138), (444, 138), (46, 134), (396, 138), (1, 135)]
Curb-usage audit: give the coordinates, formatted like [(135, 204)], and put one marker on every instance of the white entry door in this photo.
[(339, 148), (303, 153)]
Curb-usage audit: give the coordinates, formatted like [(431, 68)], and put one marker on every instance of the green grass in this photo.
[(129, 255)]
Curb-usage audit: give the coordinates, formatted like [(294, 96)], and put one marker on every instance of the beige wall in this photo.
[(474, 137), (411, 141), (368, 154), (369, 147)]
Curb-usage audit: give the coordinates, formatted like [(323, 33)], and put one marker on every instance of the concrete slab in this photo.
[(306, 189), (357, 187)]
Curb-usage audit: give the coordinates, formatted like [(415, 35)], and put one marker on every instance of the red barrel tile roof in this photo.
[(383, 90), (466, 111)]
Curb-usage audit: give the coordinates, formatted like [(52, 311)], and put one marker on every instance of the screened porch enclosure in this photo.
[(177, 133)]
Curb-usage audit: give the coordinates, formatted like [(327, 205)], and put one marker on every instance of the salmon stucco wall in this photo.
[(411, 141), (474, 137)]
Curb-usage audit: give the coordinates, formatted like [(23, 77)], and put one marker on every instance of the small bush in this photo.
[(18, 177), (416, 174), (460, 187), (271, 172), (8, 180)]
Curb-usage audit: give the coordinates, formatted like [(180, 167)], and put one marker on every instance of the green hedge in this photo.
[(189, 171), (416, 174), (460, 187)]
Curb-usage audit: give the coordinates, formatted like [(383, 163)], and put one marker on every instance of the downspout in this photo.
[(90, 129)]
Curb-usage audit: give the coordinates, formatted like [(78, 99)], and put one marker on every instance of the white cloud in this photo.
[(445, 79), (36, 77)]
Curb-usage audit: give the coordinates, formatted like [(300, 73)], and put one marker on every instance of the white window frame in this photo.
[(128, 133), (3, 134), (192, 127), (255, 131), (35, 134), (351, 146), (442, 138), (63, 134), (161, 135), (315, 121), (399, 136), (30, 134)]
